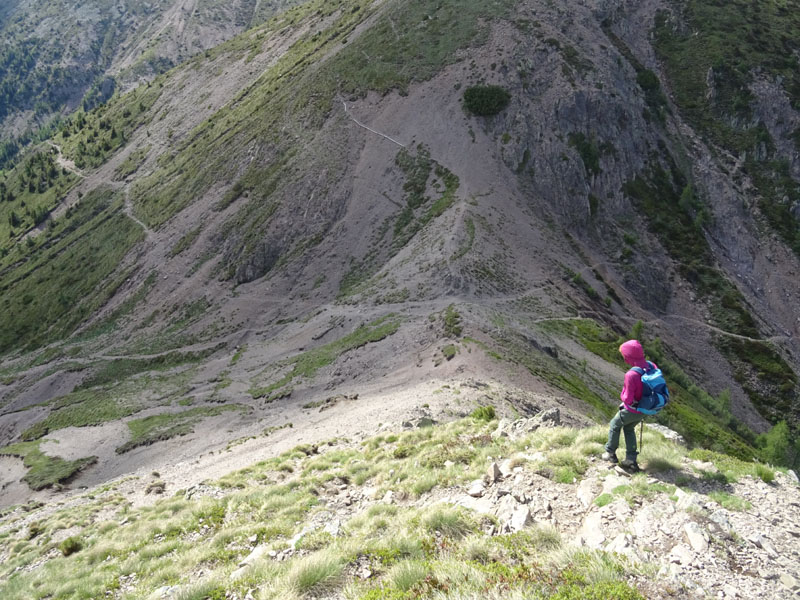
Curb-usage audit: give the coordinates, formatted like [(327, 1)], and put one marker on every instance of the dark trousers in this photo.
[(626, 422)]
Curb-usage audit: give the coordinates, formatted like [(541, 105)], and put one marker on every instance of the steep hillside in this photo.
[(361, 197), (57, 55)]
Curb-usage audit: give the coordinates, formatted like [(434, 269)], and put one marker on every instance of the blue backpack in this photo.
[(655, 394)]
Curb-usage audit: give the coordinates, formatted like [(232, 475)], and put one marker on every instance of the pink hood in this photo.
[(633, 354)]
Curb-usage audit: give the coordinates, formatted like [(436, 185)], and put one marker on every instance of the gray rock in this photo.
[(668, 433), (502, 429), (696, 536), (333, 527), (789, 582), (493, 472), (591, 533), (257, 553), (506, 470), (793, 476), (681, 555), (550, 417), (688, 500), (519, 519), (720, 517), (163, 592), (476, 488), (585, 492)]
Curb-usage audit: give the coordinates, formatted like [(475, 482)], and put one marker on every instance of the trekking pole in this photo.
[(641, 436)]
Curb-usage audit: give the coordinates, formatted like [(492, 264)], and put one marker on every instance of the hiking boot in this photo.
[(630, 465), (609, 457)]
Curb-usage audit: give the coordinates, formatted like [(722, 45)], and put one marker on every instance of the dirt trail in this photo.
[(128, 210), (360, 124), (66, 163)]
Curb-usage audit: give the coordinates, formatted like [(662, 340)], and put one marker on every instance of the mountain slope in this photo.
[(58, 56), (308, 212)]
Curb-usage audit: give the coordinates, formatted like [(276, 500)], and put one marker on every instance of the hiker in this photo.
[(628, 417)]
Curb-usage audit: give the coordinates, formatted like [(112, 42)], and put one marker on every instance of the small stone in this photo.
[(493, 473), (332, 527), (789, 582), (681, 555), (252, 539), (257, 553), (388, 497), (585, 492), (476, 488)]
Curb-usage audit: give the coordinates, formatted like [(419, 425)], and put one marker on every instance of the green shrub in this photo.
[(452, 322), (766, 474), (448, 522), (486, 100), (484, 413), (71, 545)]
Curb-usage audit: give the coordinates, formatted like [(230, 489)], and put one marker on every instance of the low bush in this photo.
[(486, 100), (71, 545), (484, 413)]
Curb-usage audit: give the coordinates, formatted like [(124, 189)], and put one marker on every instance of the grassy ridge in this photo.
[(413, 548)]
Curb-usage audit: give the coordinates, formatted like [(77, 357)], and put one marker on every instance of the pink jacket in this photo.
[(633, 354)]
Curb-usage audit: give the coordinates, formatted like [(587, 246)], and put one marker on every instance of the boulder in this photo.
[(502, 430), (696, 536), (550, 417), (520, 519)]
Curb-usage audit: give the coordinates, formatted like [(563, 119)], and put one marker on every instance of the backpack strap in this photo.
[(640, 371)]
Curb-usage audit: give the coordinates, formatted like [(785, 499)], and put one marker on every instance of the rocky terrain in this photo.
[(692, 525)]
